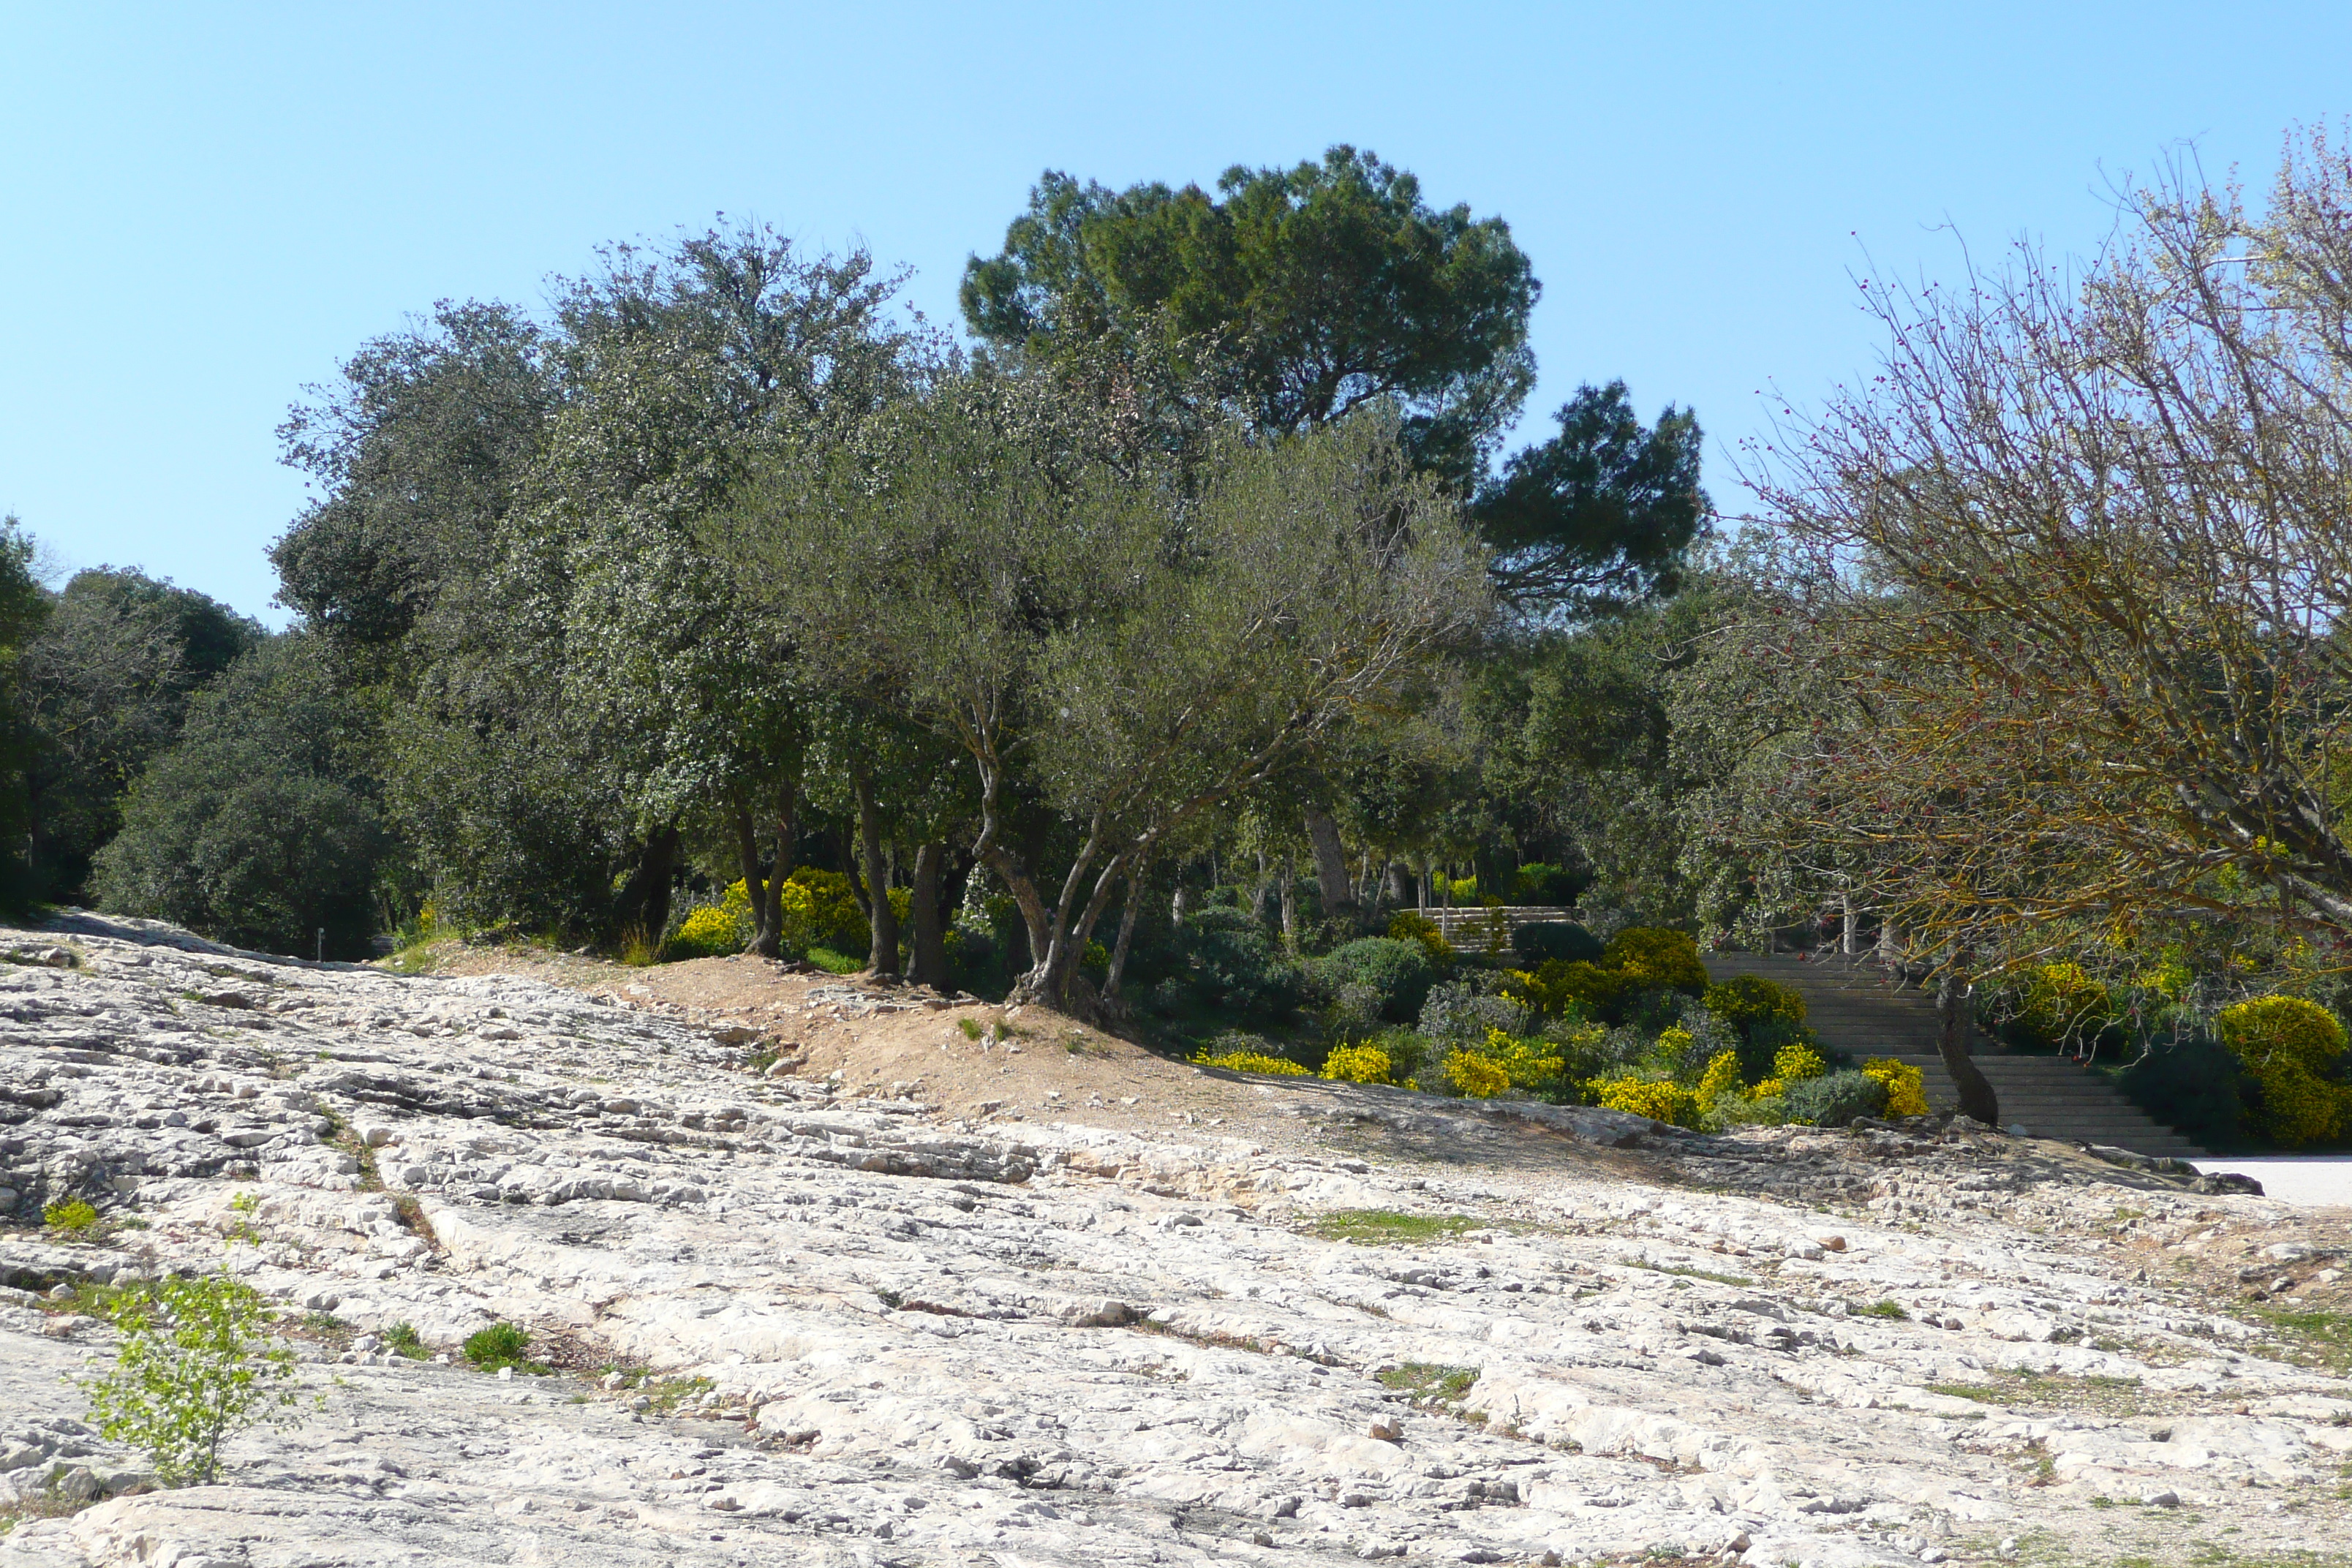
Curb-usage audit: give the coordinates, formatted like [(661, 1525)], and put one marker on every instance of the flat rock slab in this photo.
[(785, 1324)]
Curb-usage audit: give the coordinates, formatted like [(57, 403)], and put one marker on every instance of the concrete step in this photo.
[(1855, 1010)]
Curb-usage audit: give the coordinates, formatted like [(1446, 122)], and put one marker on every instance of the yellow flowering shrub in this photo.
[(1794, 1062), (1906, 1090), (2286, 1044), (1253, 1061), (1721, 1079), (1358, 1064), (1475, 1075), (1658, 1102), (706, 932), (1768, 1089), (1529, 1064), (1656, 959)]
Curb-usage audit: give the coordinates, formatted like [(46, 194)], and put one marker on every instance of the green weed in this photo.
[(72, 1216), (1883, 1310)]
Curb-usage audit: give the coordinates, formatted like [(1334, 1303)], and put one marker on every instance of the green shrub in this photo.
[(1668, 1102), (1558, 984), (189, 1370), (1905, 1085), (402, 1339), (1564, 941), (2191, 1084), (500, 1344), (1229, 961), (72, 1216), (1407, 925), (1400, 973), (1833, 1099)]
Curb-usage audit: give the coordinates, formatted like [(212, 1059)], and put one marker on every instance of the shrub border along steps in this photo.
[(1856, 1009)]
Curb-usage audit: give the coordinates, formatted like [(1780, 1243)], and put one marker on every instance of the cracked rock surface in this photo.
[(789, 1322)]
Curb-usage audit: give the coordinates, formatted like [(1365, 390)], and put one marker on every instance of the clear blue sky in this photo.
[(201, 208)]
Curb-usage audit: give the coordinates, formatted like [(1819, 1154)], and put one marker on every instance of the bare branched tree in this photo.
[(2079, 556)]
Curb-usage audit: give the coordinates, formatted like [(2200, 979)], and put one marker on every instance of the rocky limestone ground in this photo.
[(823, 1278)]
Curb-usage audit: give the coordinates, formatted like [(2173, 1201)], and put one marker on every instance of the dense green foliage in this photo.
[(108, 684), (260, 827), (22, 607)]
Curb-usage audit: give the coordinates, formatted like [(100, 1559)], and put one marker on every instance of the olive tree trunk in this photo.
[(881, 921), (1330, 866), (1128, 912), (923, 913), (1956, 1020), (643, 906)]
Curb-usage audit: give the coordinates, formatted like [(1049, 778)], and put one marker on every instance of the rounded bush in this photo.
[(2286, 1045), (706, 932), (1562, 940), (1746, 1000), (820, 910), (1358, 1064), (1477, 1076), (1398, 971), (1721, 1080), (1669, 1102), (1656, 959), (1795, 1062), (1833, 1099), (1906, 1088), (1234, 963), (1560, 982), (2062, 1003), (1406, 925)]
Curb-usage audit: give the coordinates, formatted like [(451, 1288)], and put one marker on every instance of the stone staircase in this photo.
[(1858, 1011)]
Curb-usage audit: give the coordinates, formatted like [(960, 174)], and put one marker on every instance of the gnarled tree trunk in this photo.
[(644, 904), (1956, 1019)]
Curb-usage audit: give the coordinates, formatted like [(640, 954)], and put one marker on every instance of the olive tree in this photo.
[(1128, 641)]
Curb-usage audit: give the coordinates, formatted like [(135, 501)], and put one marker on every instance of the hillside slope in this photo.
[(894, 1303)]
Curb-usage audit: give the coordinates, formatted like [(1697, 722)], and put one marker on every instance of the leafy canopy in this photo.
[(1319, 288)]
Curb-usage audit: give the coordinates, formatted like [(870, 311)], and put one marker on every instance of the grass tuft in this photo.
[(1376, 1228), (502, 1345)]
